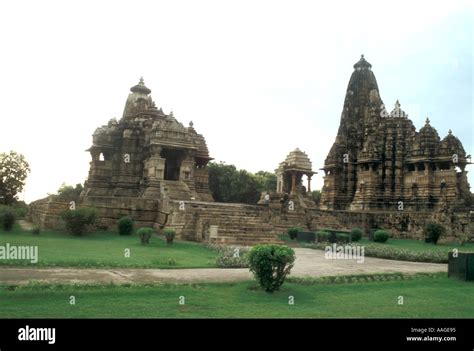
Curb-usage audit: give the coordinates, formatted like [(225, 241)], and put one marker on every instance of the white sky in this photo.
[(257, 78)]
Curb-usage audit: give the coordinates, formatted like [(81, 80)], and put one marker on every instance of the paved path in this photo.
[(309, 262)]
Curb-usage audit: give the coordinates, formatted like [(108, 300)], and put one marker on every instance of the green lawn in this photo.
[(107, 249), (433, 296), (420, 246), (403, 249)]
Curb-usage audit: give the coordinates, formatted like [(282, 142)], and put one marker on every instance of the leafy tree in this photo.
[(13, 172), (228, 184), (266, 181), (316, 196), (7, 218), (68, 192)]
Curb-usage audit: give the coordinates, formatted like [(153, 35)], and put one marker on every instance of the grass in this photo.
[(404, 250), (420, 246), (416, 246), (429, 296), (107, 249)]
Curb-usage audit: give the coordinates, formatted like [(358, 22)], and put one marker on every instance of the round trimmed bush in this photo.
[(356, 234), (342, 237), (7, 218), (434, 231), (380, 236), (293, 232), (145, 234), (125, 225), (169, 235), (270, 265), (77, 220)]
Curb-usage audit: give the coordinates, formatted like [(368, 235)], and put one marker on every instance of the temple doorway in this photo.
[(173, 163)]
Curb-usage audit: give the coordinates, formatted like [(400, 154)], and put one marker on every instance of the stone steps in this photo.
[(237, 224)]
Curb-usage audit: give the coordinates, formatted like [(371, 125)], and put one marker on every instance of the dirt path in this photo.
[(25, 225), (309, 263)]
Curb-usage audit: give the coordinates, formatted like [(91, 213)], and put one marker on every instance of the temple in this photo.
[(380, 173), (380, 162), (148, 154)]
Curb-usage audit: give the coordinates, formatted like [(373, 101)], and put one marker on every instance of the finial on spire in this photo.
[(171, 113), (191, 124), (140, 88), (427, 120), (362, 63), (397, 104), (450, 132)]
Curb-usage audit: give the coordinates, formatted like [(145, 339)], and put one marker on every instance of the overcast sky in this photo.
[(257, 78)]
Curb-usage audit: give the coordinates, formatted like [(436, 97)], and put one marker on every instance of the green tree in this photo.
[(266, 181), (13, 173), (316, 196), (68, 192), (228, 184)]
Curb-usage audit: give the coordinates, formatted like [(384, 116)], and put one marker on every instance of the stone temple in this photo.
[(380, 173), (148, 154), (380, 162)]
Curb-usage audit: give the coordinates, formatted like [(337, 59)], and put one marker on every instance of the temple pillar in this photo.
[(95, 155), (309, 182), (293, 183)]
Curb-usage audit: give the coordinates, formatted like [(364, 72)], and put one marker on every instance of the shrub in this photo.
[(356, 234), (232, 257), (342, 238), (293, 232), (78, 220), (309, 237), (21, 212), (36, 230), (433, 231), (322, 236), (125, 225), (7, 218), (169, 235), (270, 265), (394, 253), (145, 234), (380, 236)]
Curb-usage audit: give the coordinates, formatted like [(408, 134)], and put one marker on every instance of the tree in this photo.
[(316, 196), (70, 193), (13, 173), (266, 181), (228, 184)]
